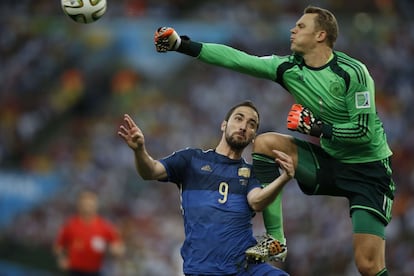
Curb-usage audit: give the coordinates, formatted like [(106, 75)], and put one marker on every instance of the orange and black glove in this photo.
[(301, 119), (166, 39)]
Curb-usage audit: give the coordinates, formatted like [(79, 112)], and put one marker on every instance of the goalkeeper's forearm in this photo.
[(189, 47)]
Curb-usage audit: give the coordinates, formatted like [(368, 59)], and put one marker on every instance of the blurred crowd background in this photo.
[(64, 88)]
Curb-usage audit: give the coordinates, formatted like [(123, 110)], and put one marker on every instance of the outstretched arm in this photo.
[(147, 167), (167, 39), (260, 198)]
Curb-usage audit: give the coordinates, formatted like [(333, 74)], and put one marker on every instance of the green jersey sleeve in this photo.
[(230, 58)]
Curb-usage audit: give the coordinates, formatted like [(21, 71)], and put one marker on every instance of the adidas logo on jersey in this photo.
[(206, 168)]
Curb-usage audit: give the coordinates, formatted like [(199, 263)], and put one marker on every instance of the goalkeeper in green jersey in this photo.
[(335, 101)]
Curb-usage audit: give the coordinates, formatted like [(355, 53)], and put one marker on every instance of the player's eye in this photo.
[(252, 125), (238, 118)]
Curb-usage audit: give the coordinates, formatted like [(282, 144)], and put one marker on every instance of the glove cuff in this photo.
[(189, 47), (320, 129), (327, 131), (176, 44)]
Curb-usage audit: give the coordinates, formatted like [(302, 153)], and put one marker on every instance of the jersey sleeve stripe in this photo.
[(357, 132), (358, 68), (281, 70), (342, 74)]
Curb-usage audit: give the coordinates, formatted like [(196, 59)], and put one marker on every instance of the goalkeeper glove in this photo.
[(166, 39), (301, 119)]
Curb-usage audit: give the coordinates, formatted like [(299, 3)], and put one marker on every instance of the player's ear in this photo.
[(223, 125), (321, 36)]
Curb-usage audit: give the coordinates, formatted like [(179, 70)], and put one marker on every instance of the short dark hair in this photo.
[(247, 103), (325, 20)]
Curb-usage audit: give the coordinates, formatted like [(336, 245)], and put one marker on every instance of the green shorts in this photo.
[(368, 186)]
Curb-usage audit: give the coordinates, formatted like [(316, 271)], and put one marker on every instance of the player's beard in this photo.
[(236, 144)]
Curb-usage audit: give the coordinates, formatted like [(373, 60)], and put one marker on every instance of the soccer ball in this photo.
[(84, 11)]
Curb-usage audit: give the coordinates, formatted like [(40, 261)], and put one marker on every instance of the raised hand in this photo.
[(131, 133), (166, 39)]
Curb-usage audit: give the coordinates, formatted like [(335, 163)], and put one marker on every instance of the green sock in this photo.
[(273, 219), (265, 169)]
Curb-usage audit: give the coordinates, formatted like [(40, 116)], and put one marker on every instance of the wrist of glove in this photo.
[(301, 119), (166, 39)]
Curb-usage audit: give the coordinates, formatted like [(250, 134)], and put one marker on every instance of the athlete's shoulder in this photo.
[(356, 70), (105, 223), (349, 63), (194, 151), (72, 221), (187, 154), (186, 151), (292, 58)]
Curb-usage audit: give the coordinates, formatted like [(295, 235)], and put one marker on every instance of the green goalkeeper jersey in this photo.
[(341, 93)]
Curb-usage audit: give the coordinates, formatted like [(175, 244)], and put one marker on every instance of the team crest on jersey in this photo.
[(244, 172), (335, 88), (362, 100)]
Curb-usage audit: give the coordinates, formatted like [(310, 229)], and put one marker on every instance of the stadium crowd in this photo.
[(65, 87)]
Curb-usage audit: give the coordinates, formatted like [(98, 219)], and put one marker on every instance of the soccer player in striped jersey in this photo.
[(219, 194), (335, 101)]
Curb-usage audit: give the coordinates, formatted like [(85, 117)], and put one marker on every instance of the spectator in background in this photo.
[(85, 238)]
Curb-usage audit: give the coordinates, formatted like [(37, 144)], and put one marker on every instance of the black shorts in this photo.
[(368, 186)]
